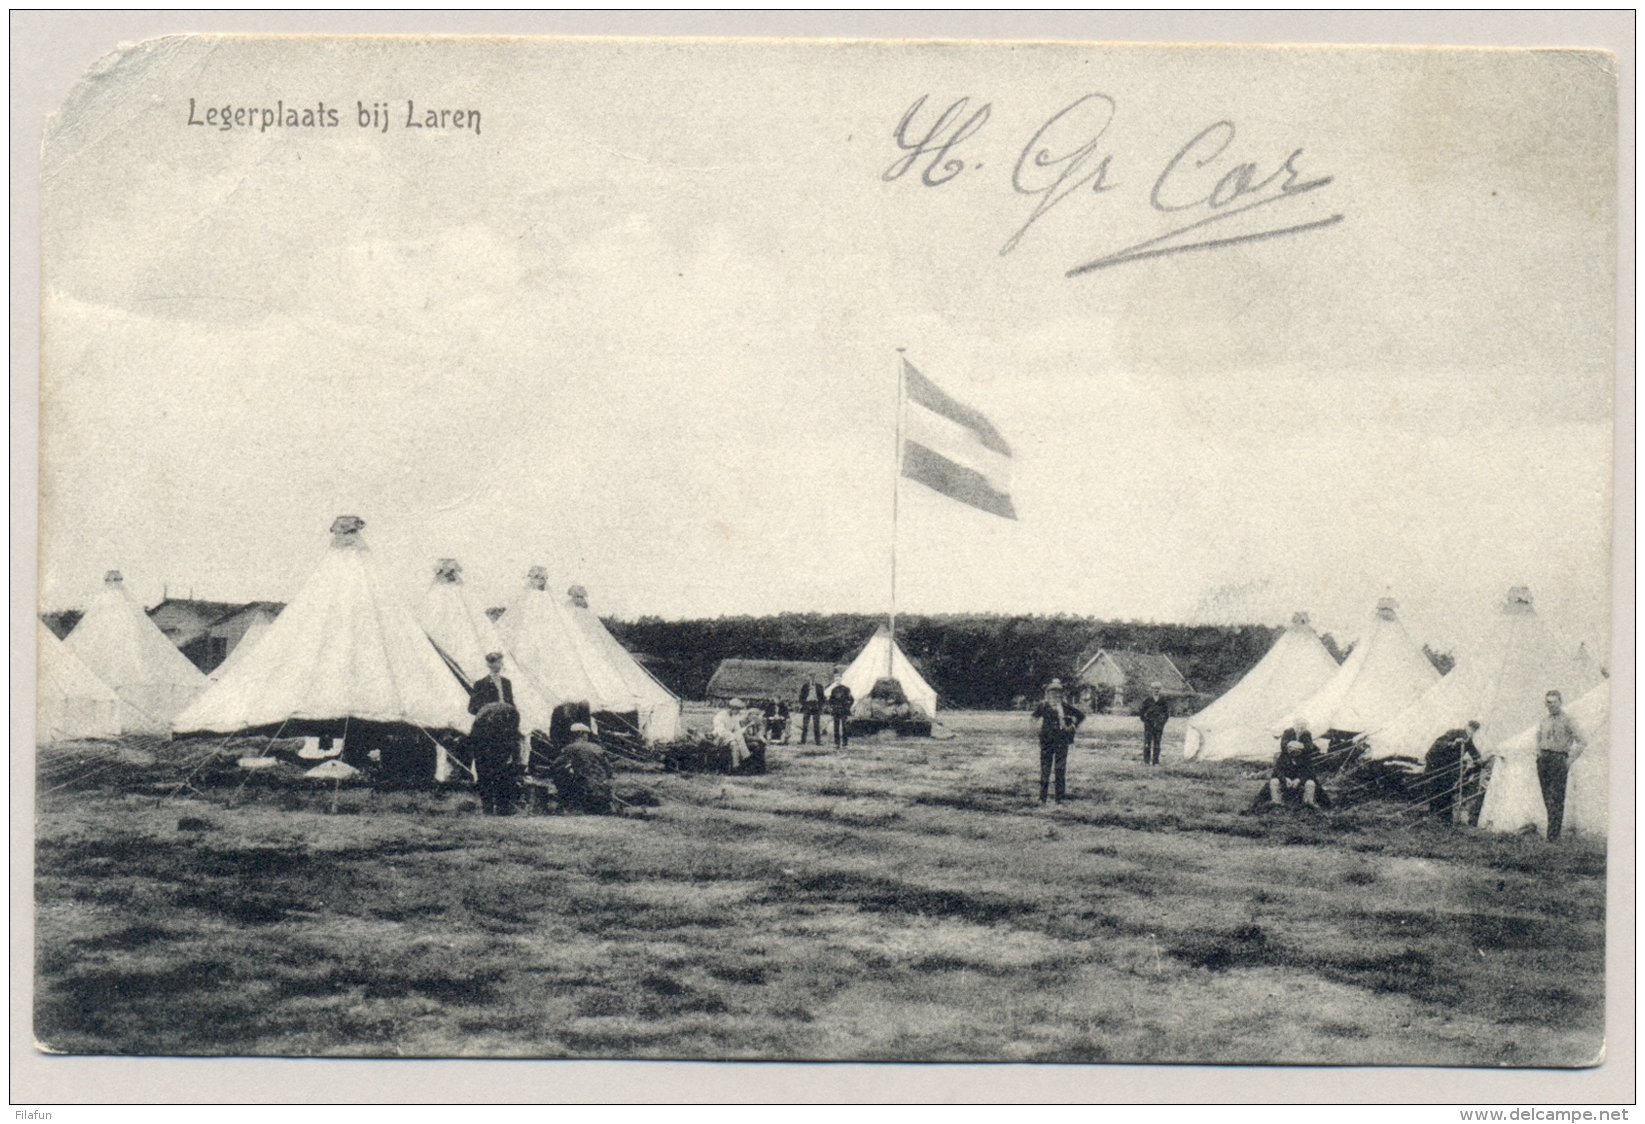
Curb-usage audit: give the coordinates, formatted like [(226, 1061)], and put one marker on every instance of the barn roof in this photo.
[(272, 608), (766, 679), (1140, 669)]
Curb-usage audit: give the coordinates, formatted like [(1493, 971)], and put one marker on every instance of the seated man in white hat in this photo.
[(731, 730)]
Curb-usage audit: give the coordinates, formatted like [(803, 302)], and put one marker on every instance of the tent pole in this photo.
[(896, 493)]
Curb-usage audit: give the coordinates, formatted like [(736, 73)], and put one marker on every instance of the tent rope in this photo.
[(452, 757)]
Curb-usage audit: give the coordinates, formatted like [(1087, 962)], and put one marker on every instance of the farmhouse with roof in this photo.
[(766, 680), (207, 631), (1128, 675)]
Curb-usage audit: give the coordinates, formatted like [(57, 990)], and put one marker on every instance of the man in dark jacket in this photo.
[(840, 702), (1155, 711), (493, 687), (1445, 767), (582, 775), (812, 696), (1058, 720), (494, 744), (1295, 777)]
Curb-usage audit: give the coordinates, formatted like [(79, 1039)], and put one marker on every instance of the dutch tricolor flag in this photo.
[(953, 449)]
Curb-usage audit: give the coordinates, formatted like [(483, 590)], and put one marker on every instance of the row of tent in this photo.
[(346, 647), (1388, 693)]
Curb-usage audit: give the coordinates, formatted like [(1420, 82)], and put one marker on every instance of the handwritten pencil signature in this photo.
[(1066, 156)]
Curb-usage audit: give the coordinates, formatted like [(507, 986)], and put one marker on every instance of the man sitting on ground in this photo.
[(776, 721), (734, 728), (1294, 780)]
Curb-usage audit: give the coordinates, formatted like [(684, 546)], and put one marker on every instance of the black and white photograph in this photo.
[(856, 551)]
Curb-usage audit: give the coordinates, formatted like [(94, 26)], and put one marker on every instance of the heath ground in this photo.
[(903, 899)]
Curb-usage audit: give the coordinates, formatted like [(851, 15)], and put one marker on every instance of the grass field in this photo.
[(906, 900)]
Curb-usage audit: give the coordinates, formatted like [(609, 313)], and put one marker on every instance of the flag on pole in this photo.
[(951, 448)]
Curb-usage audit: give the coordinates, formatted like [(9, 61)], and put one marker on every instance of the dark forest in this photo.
[(974, 661)]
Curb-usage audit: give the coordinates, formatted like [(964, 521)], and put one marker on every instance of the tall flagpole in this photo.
[(896, 493)]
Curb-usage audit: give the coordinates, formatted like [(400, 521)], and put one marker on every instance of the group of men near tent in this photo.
[(1452, 765), (346, 662), (879, 688), (745, 731), (352, 669), (1386, 701)]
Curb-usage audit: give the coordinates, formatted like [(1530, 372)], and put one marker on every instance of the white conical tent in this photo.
[(1514, 800), (1588, 787), (465, 636), (345, 647), (882, 657), (659, 707), (563, 663), (70, 702), (1590, 666), (254, 633), (1501, 686), (1385, 673), (1238, 725), (128, 652)]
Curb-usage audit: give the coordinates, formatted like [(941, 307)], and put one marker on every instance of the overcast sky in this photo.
[(642, 328)]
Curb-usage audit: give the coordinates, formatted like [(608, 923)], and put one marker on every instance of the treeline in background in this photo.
[(974, 661)]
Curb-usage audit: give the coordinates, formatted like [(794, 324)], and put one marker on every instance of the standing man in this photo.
[(494, 744), (812, 696), (1058, 721), (1155, 711), (1446, 765), (840, 702), (1559, 741), (493, 688)]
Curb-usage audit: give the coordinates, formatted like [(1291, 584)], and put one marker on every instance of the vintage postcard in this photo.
[(827, 551)]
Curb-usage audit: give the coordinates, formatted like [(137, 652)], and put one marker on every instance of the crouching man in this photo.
[(581, 775)]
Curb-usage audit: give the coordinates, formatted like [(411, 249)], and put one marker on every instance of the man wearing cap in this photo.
[(1559, 741), (492, 688), (840, 702), (1155, 711), (730, 730), (1447, 764), (581, 774), (1058, 721), (1295, 776)]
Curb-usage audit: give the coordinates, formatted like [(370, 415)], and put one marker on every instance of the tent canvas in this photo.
[(129, 653), (659, 707), (1385, 673), (1514, 800), (870, 666), (464, 635), (254, 634), (1585, 660), (1237, 725), (71, 702), (563, 663), (1501, 686), (346, 647)]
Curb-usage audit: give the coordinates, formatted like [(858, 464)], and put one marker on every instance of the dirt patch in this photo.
[(884, 895)]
